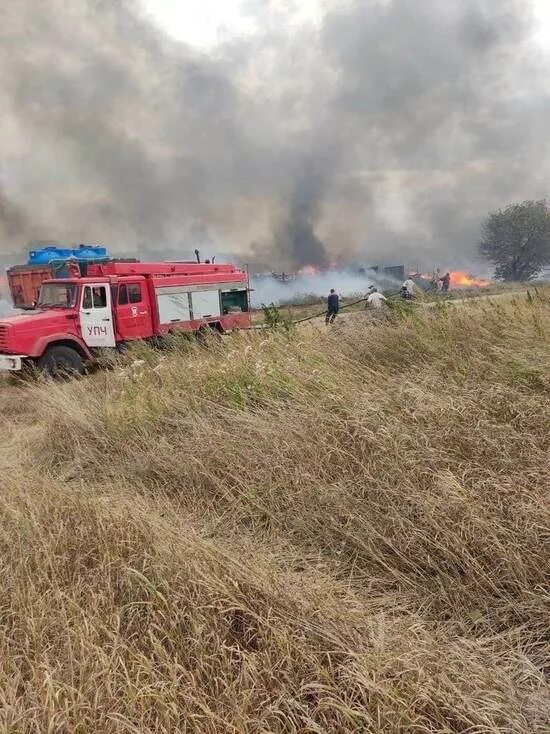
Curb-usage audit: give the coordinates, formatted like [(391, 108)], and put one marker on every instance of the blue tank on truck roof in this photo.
[(46, 255)]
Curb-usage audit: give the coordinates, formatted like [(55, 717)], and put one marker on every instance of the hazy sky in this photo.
[(290, 131), (203, 23)]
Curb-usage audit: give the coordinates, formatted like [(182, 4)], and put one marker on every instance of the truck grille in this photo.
[(4, 341)]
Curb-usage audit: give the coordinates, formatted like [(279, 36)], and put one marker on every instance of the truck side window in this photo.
[(123, 295), (87, 298), (134, 292), (234, 301), (100, 297), (129, 293)]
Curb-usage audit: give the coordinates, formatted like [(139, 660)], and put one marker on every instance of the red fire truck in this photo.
[(118, 302)]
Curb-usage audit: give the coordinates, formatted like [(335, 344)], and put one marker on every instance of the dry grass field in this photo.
[(334, 530)]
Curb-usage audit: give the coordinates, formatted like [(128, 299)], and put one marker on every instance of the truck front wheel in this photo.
[(61, 362)]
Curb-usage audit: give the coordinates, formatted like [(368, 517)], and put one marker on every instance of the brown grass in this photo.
[(343, 530)]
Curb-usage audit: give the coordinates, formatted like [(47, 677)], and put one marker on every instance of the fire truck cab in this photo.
[(117, 303)]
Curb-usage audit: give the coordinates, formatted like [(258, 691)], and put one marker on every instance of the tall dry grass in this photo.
[(343, 530)]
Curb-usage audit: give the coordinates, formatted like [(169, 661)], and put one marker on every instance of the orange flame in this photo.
[(462, 279), (308, 270), (459, 279), (312, 270)]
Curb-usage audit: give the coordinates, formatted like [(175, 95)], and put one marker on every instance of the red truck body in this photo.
[(122, 302), (24, 282)]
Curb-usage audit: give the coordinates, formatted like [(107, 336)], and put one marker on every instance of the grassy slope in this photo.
[(328, 532)]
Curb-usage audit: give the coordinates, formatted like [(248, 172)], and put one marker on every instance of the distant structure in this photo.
[(396, 271)]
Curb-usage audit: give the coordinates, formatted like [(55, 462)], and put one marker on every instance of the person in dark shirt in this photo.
[(333, 305), (445, 282)]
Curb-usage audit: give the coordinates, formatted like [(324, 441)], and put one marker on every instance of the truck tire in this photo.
[(61, 362)]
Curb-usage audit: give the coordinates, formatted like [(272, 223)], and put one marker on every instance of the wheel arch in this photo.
[(63, 340)]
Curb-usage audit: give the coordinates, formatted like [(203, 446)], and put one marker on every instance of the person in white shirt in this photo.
[(408, 288), (376, 299)]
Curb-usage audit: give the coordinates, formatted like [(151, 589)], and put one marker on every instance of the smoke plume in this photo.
[(268, 290), (387, 131)]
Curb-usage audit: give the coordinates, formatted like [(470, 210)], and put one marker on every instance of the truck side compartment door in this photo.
[(133, 311), (96, 317), (205, 304)]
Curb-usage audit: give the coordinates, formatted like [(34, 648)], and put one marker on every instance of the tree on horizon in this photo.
[(517, 240)]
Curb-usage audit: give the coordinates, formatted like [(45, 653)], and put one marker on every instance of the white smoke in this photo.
[(6, 309), (267, 289)]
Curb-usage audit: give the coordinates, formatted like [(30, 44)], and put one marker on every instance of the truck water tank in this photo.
[(47, 254), (90, 252)]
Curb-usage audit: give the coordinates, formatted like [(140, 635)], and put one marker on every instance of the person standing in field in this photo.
[(407, 289), (333, 306), (376, 300), (446, 282)]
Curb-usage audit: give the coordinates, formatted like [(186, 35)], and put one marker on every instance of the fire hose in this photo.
[(347, 305), (391, 296)]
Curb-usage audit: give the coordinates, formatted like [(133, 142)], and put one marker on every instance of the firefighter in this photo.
[(407, 289), (372, 289), (333, 306), (445, 282), (375, 300)]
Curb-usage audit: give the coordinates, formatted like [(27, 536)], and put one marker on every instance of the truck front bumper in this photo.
[(11, 362)]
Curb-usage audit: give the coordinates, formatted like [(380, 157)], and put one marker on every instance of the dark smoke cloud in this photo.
[(119, 133), (386, 134), (441, 99)]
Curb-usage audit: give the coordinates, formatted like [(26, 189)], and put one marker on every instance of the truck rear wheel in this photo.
[(61, 362)]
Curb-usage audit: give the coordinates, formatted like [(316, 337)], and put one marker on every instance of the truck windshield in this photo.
[(57, 295)]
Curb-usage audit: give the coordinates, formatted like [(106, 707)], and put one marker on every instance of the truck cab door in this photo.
[(134, 318), (96, 316)]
